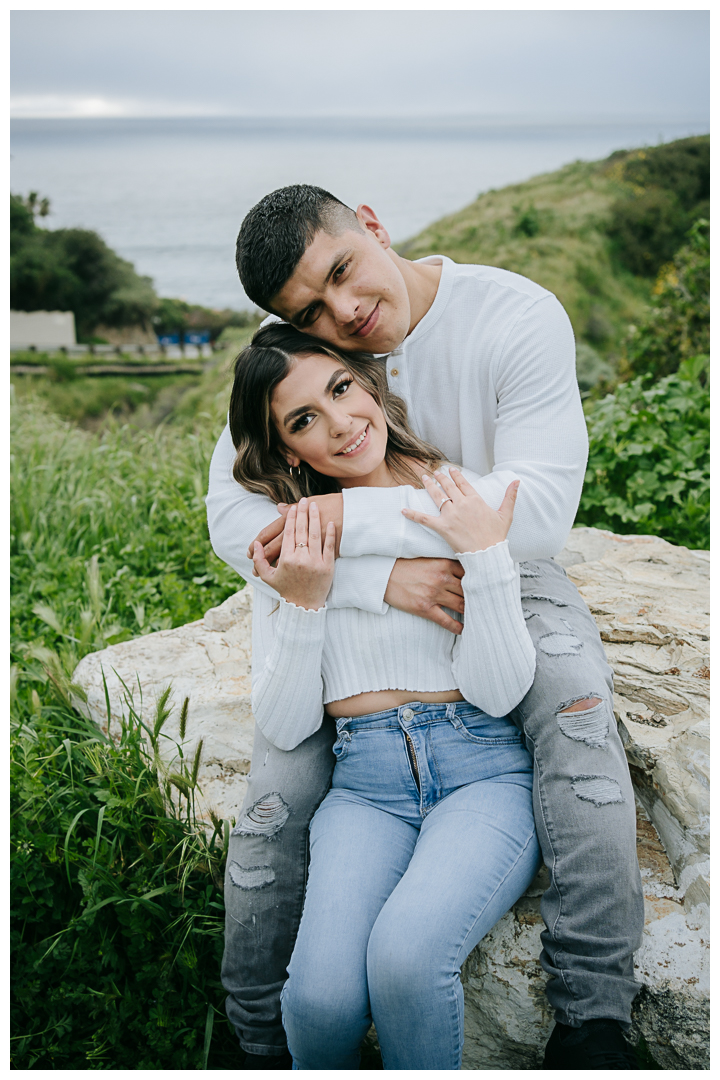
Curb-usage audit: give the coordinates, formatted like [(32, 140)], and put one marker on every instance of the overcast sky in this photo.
[(361, 63)]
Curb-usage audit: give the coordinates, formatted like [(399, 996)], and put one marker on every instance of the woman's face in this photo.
[(324, 418)]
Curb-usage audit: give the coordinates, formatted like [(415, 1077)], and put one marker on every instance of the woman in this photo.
[(426, 836)]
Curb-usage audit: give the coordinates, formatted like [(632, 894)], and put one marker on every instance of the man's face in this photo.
[(349, 291)]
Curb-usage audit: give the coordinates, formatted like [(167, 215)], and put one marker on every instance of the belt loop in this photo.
[(450, 710)]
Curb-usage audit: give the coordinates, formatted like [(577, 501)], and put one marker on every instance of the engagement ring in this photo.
[(300, 545)]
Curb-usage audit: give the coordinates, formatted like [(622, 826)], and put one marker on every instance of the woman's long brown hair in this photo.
[(260, 463)]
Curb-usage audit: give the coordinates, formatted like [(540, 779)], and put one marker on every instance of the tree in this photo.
[(73, 270)]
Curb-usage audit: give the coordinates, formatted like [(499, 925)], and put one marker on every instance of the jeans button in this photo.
[(408, 714)]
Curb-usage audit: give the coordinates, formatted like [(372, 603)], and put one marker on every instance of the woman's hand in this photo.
[(466, 521), (304, 572)]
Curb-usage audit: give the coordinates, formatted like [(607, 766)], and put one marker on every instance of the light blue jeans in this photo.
[(424, 841)]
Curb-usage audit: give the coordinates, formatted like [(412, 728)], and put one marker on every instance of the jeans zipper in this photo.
[(413, 761)]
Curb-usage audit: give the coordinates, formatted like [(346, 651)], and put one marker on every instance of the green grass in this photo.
[(89, 401), (116, 898), (108, 532)]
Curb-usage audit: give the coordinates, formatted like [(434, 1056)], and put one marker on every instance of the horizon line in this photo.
[(585, 117)]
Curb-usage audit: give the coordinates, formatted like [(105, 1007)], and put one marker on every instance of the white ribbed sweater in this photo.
[(304, 659)]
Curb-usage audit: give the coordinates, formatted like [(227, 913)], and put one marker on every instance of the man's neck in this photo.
[(422, 281)]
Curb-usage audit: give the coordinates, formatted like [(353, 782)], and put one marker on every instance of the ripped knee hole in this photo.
[(584, 720), (582, 705), (266, 817)]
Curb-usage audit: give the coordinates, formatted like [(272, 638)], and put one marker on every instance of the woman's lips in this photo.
[(368, 326), (358, 449)]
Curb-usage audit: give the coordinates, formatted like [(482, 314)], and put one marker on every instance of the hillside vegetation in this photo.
[(593, 233)]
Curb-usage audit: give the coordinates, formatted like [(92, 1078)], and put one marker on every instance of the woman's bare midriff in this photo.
[(379, 700)]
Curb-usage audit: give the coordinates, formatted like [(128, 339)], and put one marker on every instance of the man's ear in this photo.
[(367, 217)]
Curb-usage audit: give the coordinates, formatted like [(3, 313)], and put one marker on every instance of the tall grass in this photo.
[(117, 911), (116, 900), (108, 533), (88, 400)]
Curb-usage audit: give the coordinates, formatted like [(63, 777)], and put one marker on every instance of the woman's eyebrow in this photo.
[(308, 408)]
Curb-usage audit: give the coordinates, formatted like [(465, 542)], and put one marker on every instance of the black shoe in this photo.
[(596, 1044), (268, 1061)]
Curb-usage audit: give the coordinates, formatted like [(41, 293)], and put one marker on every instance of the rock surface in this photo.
[(650, 600), (208, 662)]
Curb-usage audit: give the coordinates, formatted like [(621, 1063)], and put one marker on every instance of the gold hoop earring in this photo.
[(291, 472)]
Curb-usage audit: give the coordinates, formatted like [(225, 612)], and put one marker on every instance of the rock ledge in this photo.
[(651, 602)]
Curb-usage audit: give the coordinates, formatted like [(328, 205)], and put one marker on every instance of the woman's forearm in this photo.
[(494, 657), (287, 689)]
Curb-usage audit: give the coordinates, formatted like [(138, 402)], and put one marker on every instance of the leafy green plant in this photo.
[(649, 464)]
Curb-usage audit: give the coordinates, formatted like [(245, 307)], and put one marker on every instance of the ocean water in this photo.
[(169, 195)]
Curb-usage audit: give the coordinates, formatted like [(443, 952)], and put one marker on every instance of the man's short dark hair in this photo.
[(277, 231)]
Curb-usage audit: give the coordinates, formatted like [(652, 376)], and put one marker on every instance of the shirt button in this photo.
[(408, 714), (395, 372)]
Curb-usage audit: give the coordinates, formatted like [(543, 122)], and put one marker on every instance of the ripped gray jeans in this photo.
[(584, 812)]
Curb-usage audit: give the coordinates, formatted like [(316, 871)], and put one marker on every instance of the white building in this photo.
[(43, 329)]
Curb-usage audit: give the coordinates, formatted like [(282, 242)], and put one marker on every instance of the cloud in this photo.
[(79, 106), (359, 63)]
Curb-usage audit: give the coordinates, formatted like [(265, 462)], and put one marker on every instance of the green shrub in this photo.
[(669, 189), (678, 325), (527, 221), (649, 464)]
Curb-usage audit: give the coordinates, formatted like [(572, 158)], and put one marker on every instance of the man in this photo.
[(485, 360)]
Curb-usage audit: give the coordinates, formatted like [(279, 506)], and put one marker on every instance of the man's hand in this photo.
[(271, 537), (425, 586)]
